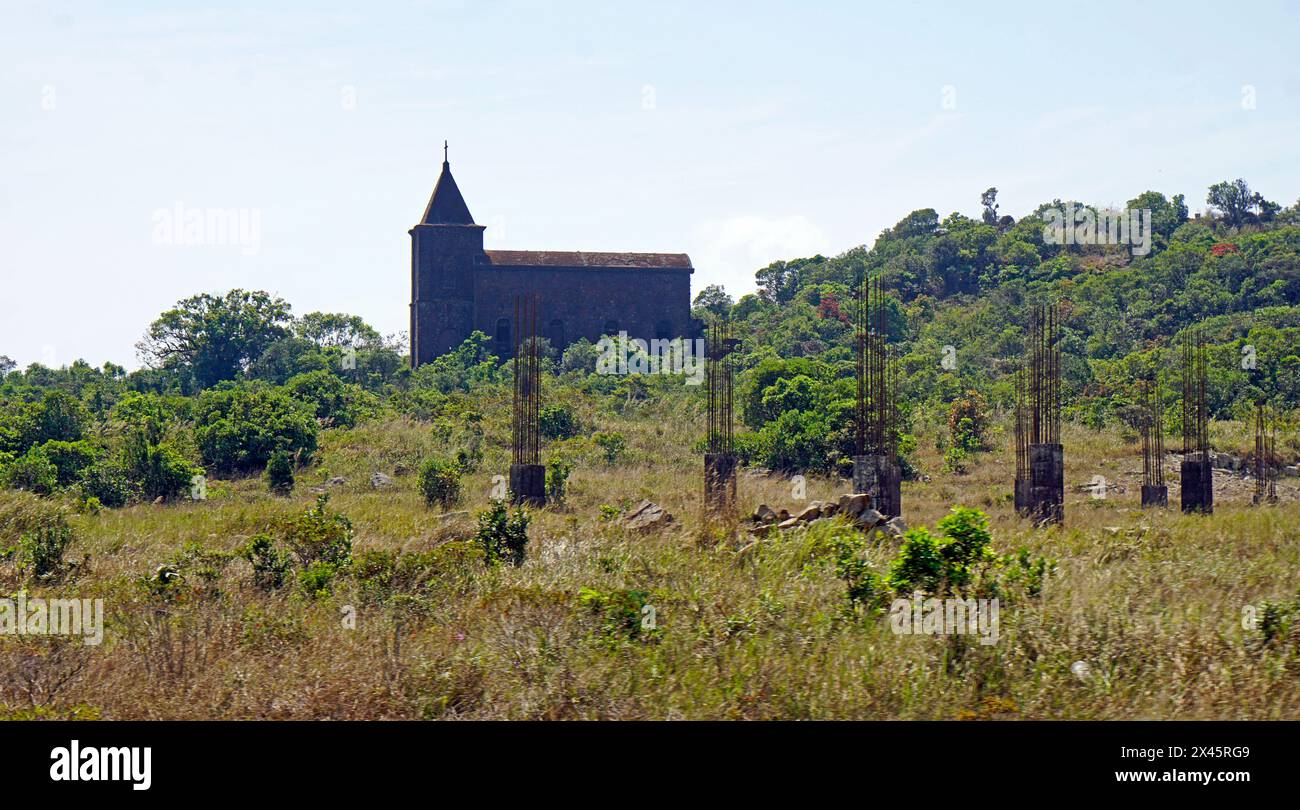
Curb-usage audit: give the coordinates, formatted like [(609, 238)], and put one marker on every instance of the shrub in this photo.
[(620, 613), (318, 578), (330, 398), (279, 473), (320, 536), (270, 565), (557, 422), (238, 428), (107, 481), (502, 534), (968, 421), (157, 468), (937, 564), (40, 550), (612, 444), (69, 458), (557, 477), (33, 472), (440, 482)]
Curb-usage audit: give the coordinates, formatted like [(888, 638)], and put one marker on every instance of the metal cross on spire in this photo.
[(444, 151)]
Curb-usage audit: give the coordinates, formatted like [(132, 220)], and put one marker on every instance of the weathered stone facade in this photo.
[(457, 287)]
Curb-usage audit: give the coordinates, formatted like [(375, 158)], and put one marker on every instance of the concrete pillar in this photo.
[(1197, 484), (719, 482), (528, 484), (879, 477), (1047, 483), (1021, 493), (1155, 496)]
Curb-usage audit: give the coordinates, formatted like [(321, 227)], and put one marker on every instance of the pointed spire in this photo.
[(446, 206)]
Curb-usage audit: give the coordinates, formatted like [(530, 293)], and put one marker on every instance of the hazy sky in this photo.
[(736, 132)]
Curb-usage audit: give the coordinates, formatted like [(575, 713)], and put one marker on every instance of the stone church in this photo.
[(457, 287)]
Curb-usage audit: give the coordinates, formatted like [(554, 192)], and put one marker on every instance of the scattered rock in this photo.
[(1292, 471), (1111, 530), (380, 481), (337, 480), (811, 513), (400, 469), (764, 514), (788, 524), (783, 515), (896, 527), (158, 501), (647, 516), (829, 509), (870, 518), (853, 504), (758, 472)]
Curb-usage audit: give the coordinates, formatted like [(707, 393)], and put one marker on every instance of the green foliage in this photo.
[(317, 579), (335, 402), (213, 338), (69, 458), (106, 481), (318, 535), (937, 565), (621, 613), (502, 534), (557, 422), (155, 467), (34, 472), (557, 477), (279, 473), (611, 444), (237, 428), (440, 482), (270, 565)]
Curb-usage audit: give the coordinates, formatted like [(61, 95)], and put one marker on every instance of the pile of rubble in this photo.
[(853, 508)]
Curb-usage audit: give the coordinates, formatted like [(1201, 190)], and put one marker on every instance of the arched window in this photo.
[(611, 327), (555, 333), (664, 330), (503, 346)]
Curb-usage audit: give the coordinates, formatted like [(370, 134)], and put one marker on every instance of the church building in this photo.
[(457, 287)]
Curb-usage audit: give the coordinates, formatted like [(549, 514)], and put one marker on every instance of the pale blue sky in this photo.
[(736, 132)]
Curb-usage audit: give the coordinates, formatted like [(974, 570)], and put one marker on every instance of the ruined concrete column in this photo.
[(528, 484), (1197, 483), (1047, 483), (1155, 496), (719, 482), (879, 477)]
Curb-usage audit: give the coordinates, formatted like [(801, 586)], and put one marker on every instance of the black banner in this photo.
[(256, 760)]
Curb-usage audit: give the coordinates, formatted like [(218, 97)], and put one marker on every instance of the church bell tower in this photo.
[(445, 246)]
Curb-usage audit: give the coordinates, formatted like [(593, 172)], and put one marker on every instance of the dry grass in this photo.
[(1151, 600)]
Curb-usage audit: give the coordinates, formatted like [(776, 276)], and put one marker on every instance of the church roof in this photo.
[(587, 259), (447, 206)]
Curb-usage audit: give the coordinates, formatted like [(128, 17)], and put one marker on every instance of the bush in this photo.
[(157, 468), (33, 472), (557, 422), (69, 458), (620, 613), (440, 482), (613, 445), (40, 551), (937, 564), (502, 534), (41, 531), (107, 481), (330, 398), (320, 536), (968, 421), (270, 565), (238, 428), (557, 478), (279, 473)]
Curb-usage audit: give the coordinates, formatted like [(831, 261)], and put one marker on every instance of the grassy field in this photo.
[(1151, 601)]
